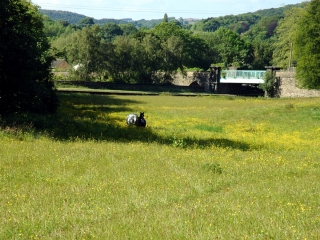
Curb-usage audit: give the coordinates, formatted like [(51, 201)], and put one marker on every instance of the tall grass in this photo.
[(203, 168)]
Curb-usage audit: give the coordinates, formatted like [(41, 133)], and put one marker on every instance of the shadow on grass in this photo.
[(87, 117)]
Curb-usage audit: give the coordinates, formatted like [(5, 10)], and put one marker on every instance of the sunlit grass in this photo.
[(203, 168)]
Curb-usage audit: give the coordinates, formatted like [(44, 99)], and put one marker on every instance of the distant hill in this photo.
[(278, 11), (74, 18), (71, 17), (241, 23)]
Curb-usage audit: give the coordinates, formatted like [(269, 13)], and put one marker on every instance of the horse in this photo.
[(133, 119), (141, 122)]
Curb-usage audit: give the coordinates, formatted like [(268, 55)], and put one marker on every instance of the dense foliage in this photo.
[(269, 84), (234, 22), (283, 55), (24, 60), (246, 41), (74, 18), (307, 46), (227, 48), (87, 21), (142, 57)]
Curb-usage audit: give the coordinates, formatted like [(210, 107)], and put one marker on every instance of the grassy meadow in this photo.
[(203, 168)]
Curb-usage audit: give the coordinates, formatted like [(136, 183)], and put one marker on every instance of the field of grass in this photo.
[(203, 168)]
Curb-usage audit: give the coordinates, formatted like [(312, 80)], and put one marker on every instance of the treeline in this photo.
[(74, 18), (229, 21), (125, 52)]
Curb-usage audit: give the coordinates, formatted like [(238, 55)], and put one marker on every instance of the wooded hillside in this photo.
[(240, 21)]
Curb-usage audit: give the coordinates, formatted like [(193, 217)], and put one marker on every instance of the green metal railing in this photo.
[(242, 74)]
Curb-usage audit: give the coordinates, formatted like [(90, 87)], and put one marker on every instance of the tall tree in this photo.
[(307, 46), (25, 80), (181, 48), (165, 18), (146, 58), (262, 53), (84, 52), (123, 48), (283, 54), (227, 47)]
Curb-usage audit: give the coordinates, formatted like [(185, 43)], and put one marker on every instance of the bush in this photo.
[(269, 84)]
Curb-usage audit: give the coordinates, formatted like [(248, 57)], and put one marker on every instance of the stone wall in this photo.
[(132, 87), (191, 78), (201, 78), (287, 86)]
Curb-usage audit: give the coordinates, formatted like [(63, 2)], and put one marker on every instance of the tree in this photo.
[(25, 61), (226, 46), (240, 27), (64, 23), (128, 29), (268, 84), (86, 21), (283, 54), (196, 53), (211, 25), (172, 59), (180, 48), (109, 31), (165, 18), (123, 48), (84, 52), (176, 22), (165, 30), (262, 53), (307, 46), (146, 57), (54, 29), (212, 51)]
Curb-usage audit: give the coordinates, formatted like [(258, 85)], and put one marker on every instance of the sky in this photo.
[(155, 9)]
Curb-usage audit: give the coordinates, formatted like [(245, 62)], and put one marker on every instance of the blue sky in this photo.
[(155, 9)]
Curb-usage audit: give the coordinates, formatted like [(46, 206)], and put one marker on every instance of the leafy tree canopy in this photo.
[(25, 84), (109, 31), (283, 55), (165, 18), (54, 30), (64, 23), (128, 29), (57, 15), (307, 46), (86, 21), (227, 47), (84, 51), (167, 29)]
